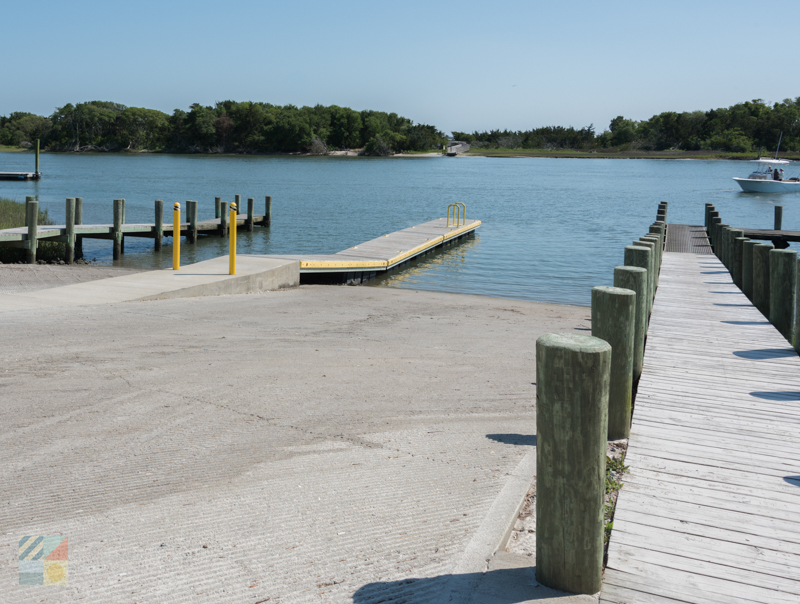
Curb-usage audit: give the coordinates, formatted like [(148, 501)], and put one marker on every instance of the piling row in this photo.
[(73, 241), (585, 389), (766, 275)]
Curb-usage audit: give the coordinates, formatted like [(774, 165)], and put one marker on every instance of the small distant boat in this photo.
[(768, 177)]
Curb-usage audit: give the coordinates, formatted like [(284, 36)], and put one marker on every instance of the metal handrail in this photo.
[(461, 217)]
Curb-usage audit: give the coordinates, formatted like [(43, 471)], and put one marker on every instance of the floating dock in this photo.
[(20, 175), (366, 260)]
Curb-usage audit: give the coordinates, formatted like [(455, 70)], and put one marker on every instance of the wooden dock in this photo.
[(710, 510), (366, 260)]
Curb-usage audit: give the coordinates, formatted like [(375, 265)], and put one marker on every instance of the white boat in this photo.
[(768, 177)]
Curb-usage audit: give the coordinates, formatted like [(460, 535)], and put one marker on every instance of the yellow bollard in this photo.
[(176, 237), (232, 252)]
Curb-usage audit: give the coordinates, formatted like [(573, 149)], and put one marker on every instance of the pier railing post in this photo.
[(761, 286), (32, 222), (636, 255), (251, 208), (778, 217), (176, 236), (78, 220), (217, 207), (159, 237), (572, 382), (651, 273), (191, 217), (783, 286), (268, 211), (223, 219), (614, 320), (747, 268), (635, 279), (117, 229), (69, 244), (738, 257)]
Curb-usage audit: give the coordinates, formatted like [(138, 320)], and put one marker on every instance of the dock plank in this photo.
[(709, 512)]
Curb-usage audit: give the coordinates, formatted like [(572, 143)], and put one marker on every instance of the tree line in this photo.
[(226, 127), (248, 127), (744, 127)]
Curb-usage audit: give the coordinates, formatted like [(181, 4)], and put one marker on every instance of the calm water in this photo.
[(552, 228)]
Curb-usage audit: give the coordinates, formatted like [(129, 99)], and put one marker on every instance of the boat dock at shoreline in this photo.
[(20, 175), (708, 511)]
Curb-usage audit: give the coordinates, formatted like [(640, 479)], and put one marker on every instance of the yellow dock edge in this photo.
[(325, 266)]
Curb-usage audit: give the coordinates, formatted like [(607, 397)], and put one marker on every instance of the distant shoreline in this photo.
[(498, 153)]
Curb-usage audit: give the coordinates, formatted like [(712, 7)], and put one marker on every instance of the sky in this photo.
[(465, 65)]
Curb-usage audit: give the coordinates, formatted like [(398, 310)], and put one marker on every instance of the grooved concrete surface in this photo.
[(320, 444), (15, 278)]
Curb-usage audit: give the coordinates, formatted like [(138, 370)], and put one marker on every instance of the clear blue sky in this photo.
[(465, 65)]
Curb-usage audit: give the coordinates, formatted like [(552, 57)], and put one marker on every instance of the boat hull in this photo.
[(751, 185)]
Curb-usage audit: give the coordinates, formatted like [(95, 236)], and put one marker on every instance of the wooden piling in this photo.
[(237, 199), (159, 238), (267, 211), (117, 229), (797, 308), (639, 256), (655, 238), (783, 286), (572, 382), (714, 221), (251, 207), (651, 272), (738, 258), (32, 222), (69, 244), (614, 320), (191, 218), (78, 220), (761, 286), (725, 243), (217, 207), (747, 268), (37, 158), (635, 279), (778, 217), (223, 219)]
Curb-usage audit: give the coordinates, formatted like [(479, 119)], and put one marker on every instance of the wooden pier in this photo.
[(20, 175), (710, 509)]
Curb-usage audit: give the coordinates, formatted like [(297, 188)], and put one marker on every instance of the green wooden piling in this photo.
[(738, 259), (797, 309), (217, 207), (268, 211), (572, 383), (69, 244), (237, 199), (778, 217), (635, 279), (78, 220), (651, 272), (747, 268), (783, 286), (614, 320), (251, 207), (191, 215), (637, 255), (725, 241), (223, 222), (659, 251), (713, 221), (761, 285), (32, 222), (159, 238)]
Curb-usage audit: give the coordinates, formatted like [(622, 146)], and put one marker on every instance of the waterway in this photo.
[(552, 228)]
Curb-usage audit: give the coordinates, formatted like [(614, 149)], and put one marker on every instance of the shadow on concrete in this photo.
[(765, 353), (514, 439), (777, 395), (746, 322), (792, 480), (501, 586)]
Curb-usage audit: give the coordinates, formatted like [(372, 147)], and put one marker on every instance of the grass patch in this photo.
[(12, 215), (615, 468), (11, 149), (617, 154)]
